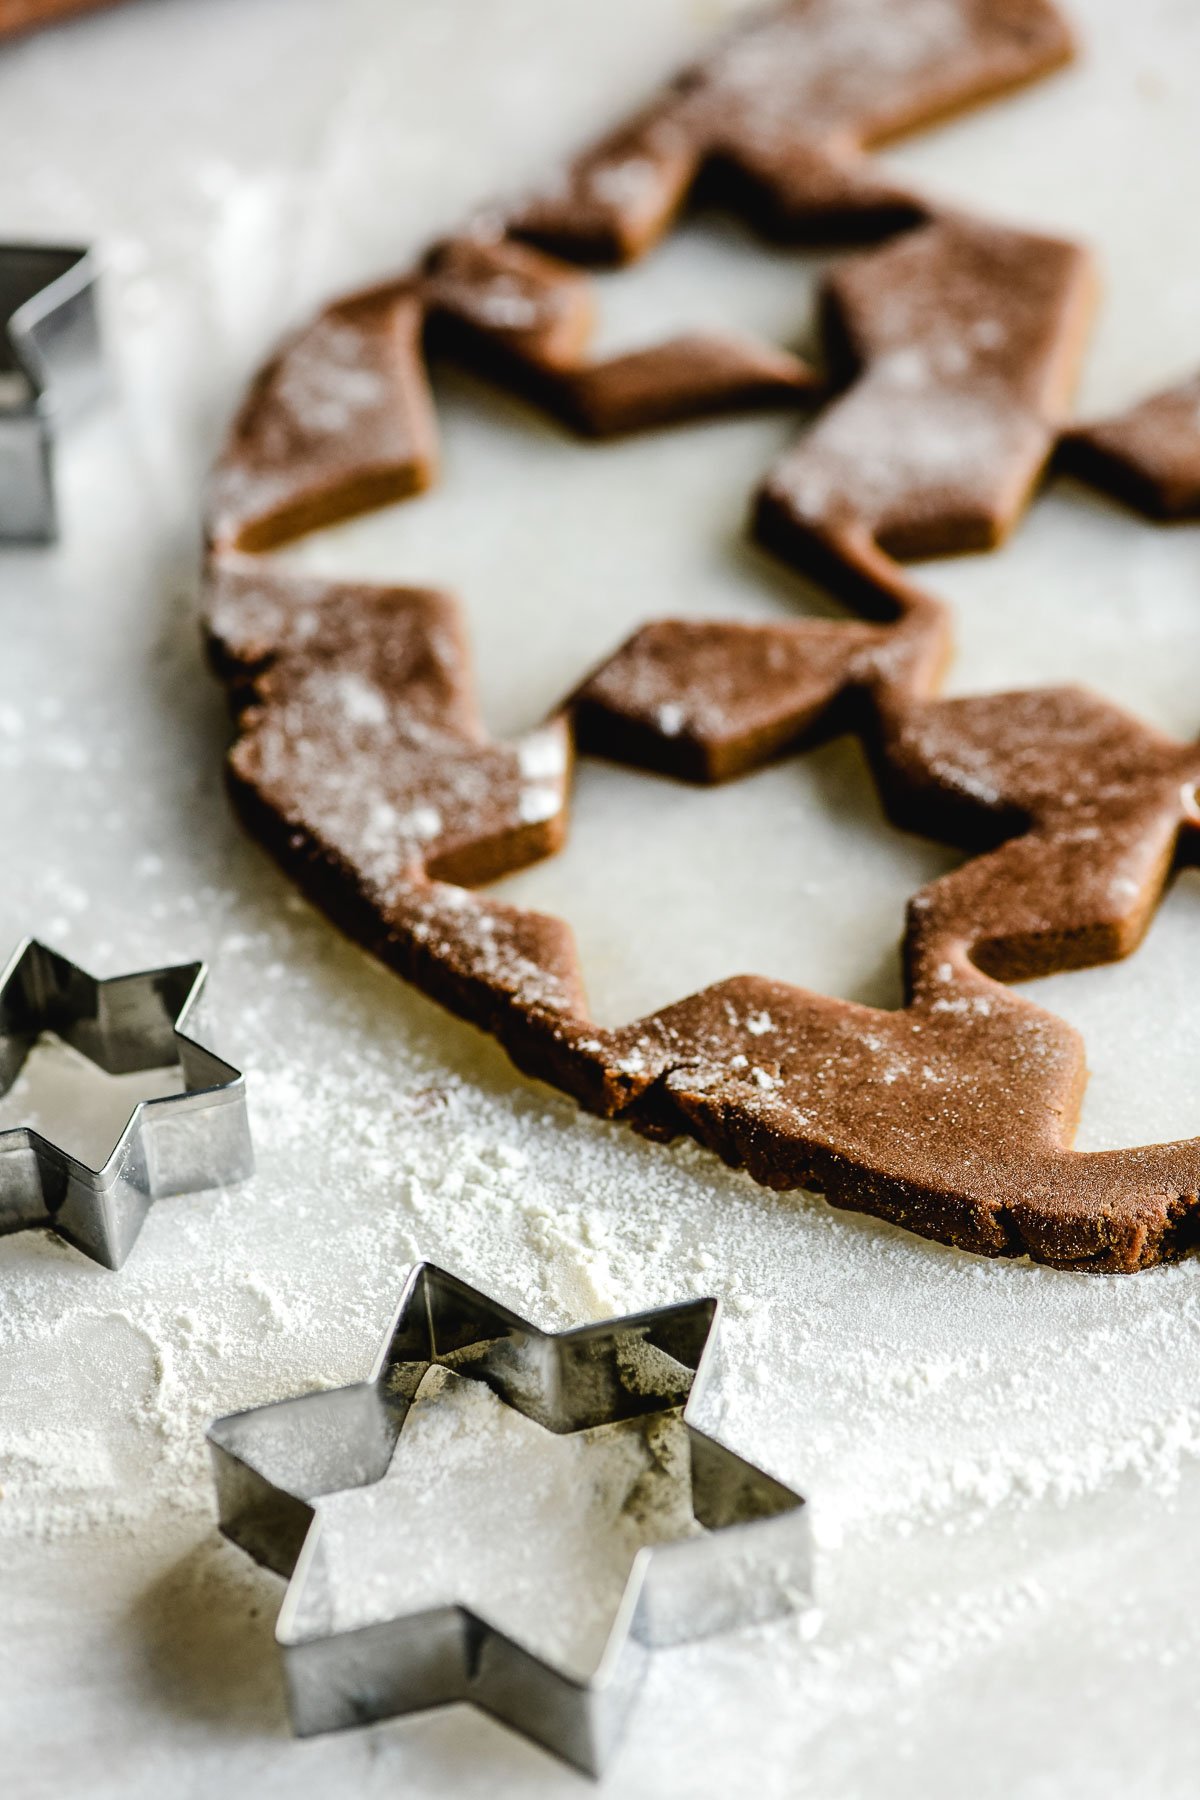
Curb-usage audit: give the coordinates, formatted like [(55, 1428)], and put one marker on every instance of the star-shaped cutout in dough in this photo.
[(172, 1144), (341, 420), (302, 1485)]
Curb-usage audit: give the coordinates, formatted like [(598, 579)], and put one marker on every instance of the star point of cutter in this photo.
[(50, 367), (275, 1463), (171, 1144)]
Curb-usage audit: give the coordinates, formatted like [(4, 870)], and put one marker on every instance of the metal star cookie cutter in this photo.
[(273, 1464), (171, 1144), (50, 367)]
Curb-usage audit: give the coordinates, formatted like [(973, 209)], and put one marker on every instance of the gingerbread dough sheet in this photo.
[(986, 1443)]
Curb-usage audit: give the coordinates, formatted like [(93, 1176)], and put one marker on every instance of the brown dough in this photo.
[(361, 759), (777, 120), (963, 340), (339, 422), (525, 319), (361, 763), (1149, 456), (953, 1116), (32, 15)]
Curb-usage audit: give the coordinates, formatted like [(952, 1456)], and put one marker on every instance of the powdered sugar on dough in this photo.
[(831, 61), (327, 384), (390, 794), (907, 432), (328, 381)]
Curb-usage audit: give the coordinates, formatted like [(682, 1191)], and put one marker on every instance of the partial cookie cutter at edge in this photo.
[(273, 1462), (50, 369), (172, 1144)]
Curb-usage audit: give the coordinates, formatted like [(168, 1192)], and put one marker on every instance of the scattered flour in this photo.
[(74, 1103), (534, 1532), (1002, 1459)]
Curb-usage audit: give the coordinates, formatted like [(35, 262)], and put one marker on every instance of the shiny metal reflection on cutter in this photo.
[(171, 1144), (274, 1463), (50, 368)]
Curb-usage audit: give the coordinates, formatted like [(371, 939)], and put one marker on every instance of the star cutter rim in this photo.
[(50, 368), (752, 1563), (171, 1144)]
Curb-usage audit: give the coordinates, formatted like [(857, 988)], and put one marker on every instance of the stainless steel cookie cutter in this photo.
[(50, 367), (274, 1463), (172, 1144)]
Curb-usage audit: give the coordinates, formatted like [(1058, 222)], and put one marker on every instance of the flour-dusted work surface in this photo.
[(1002, 1460)]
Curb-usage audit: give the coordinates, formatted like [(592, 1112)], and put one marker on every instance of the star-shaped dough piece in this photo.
[(302, 1485), (778, 119), (172, 1144)]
